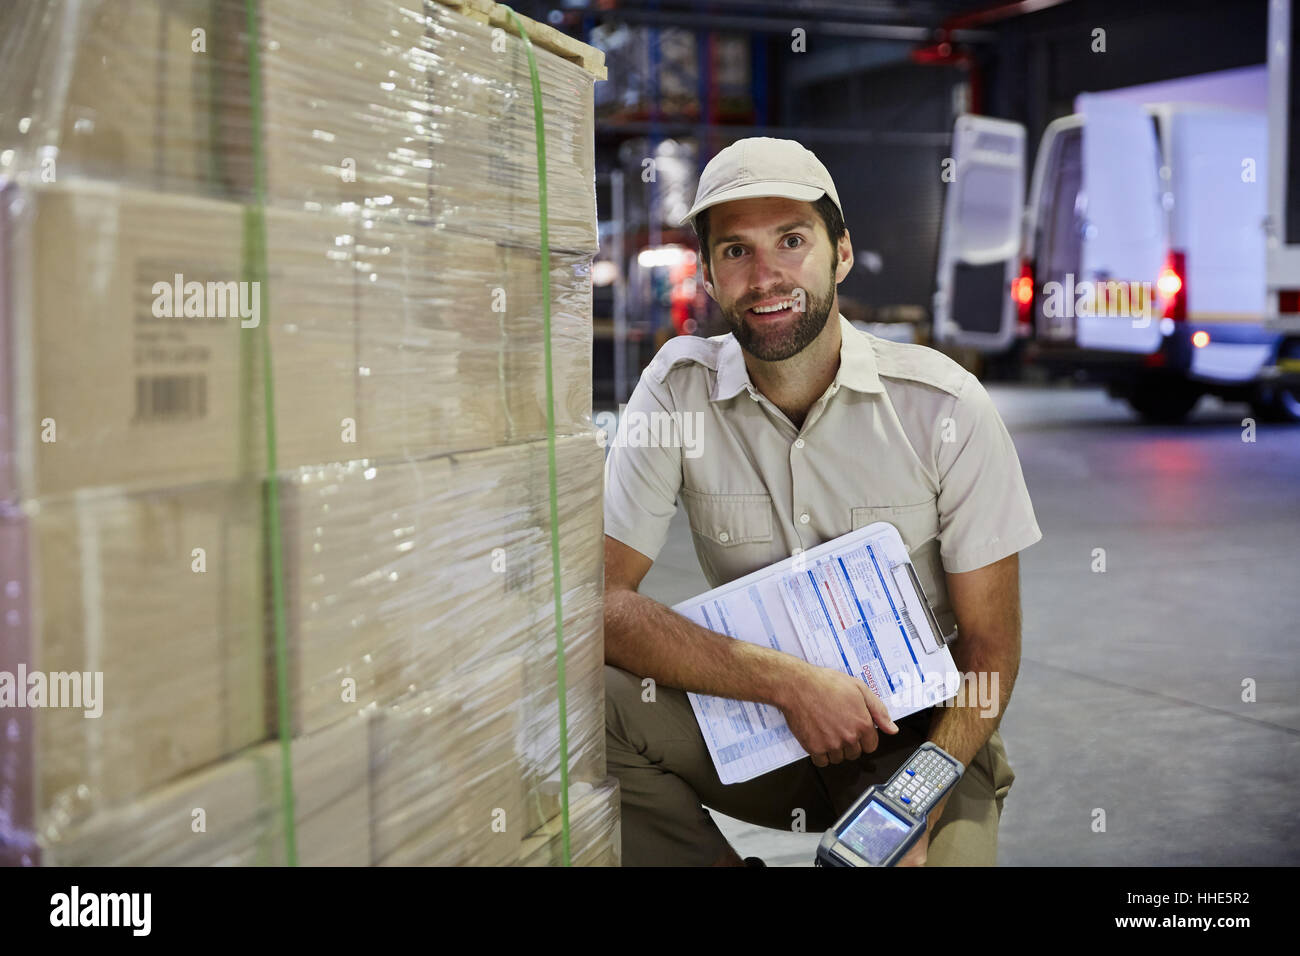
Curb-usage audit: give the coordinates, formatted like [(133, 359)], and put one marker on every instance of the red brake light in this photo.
[(1024, 290), (1172, 288), (1022, 294)]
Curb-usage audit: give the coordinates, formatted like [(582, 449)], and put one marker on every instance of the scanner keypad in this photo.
[(919, 785)]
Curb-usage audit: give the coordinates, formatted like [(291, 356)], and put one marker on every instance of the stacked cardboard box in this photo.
[(402, 309), (231, 813), (445, 773), (413, 574), (158, 594), (387, 340)]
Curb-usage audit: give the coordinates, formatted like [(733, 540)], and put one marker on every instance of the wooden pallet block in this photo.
[(542, 35), (476, 10)]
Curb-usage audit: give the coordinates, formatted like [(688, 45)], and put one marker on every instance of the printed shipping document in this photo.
[(849, 603)]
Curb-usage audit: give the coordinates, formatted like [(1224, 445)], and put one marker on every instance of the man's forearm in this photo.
[(651, 640), (961, 730)]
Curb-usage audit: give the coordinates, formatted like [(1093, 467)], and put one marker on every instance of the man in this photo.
[(807, 429)]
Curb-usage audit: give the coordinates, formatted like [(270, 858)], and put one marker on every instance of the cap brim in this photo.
[(772, 187)]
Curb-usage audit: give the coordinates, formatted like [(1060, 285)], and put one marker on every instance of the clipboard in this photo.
[(907, 571), (854, 603)]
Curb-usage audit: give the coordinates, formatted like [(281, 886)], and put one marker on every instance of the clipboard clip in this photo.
[(944, 639)]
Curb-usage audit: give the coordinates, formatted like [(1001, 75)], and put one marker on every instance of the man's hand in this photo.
[(833, 716)]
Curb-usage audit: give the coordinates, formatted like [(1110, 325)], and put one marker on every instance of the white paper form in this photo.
[(848, 604)]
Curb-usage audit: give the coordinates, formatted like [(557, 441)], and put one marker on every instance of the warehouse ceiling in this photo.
[(896, 19), (921, 12)]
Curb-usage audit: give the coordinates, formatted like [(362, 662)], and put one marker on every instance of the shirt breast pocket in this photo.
[(730, 519), (916, 523), (732, 532)]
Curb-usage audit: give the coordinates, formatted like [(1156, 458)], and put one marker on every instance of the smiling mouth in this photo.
[(780, 310)]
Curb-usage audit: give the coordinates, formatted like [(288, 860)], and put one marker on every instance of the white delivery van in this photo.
[(1283, 224), (1139, 255)]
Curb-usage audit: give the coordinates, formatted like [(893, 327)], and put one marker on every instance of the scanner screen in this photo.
[(875, 833)]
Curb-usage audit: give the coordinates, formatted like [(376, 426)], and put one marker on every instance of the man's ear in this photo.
[(708, 279), (844, 254)]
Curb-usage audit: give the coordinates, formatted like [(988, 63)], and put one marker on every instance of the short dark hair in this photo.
[(825, 206)]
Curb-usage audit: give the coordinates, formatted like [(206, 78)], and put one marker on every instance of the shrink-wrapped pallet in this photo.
[(388, 294)]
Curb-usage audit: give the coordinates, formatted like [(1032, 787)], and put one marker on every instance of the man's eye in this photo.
[(730, 249), (797, 239)]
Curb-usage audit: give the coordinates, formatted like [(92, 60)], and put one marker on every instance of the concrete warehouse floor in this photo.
[(1130, 689)]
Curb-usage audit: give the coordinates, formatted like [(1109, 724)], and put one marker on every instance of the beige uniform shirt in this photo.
[(904, 434)]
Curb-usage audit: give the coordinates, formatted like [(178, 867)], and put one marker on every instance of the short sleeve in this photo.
[(984, 509), (642, 478)]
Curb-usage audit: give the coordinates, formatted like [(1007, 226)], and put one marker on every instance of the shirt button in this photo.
[(724, 537), (803, 518), (798, 443)]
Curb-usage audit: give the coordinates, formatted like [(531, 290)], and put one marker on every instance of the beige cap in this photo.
[(763, 166)]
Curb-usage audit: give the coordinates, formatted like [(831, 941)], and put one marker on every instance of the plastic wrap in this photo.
[(402, 306), (388, 340), (409, 110), (594, 836), (100, 583), (418, 574)]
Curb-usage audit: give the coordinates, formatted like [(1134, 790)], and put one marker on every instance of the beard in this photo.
[(788, 338)]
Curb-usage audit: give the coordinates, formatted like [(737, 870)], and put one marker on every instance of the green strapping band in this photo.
[(256, 271), (255, 259), (539, 126)]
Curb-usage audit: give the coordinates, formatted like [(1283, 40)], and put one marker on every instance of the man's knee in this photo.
[(967, 831), (1003, 776), (620, 686), (642, 715), (626, 696), (621, 690)]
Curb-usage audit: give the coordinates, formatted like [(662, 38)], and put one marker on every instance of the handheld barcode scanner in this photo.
[(882, 825)]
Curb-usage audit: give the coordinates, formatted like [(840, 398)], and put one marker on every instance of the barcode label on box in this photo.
[(171, 398)]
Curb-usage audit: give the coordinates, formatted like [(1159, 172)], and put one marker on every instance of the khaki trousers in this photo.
[(665, 774)]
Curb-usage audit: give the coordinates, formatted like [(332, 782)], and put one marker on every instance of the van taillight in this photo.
[(1172, 286), (1022, 293), (1288, 301)]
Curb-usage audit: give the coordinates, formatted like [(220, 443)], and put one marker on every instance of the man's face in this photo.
[(769, 252)]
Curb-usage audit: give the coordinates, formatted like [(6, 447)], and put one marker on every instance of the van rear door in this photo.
[(1054, 228), (1125, 236), (979, 241), (1219, 162)]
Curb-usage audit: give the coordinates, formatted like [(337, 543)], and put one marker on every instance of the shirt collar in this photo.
[(857, 364)]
